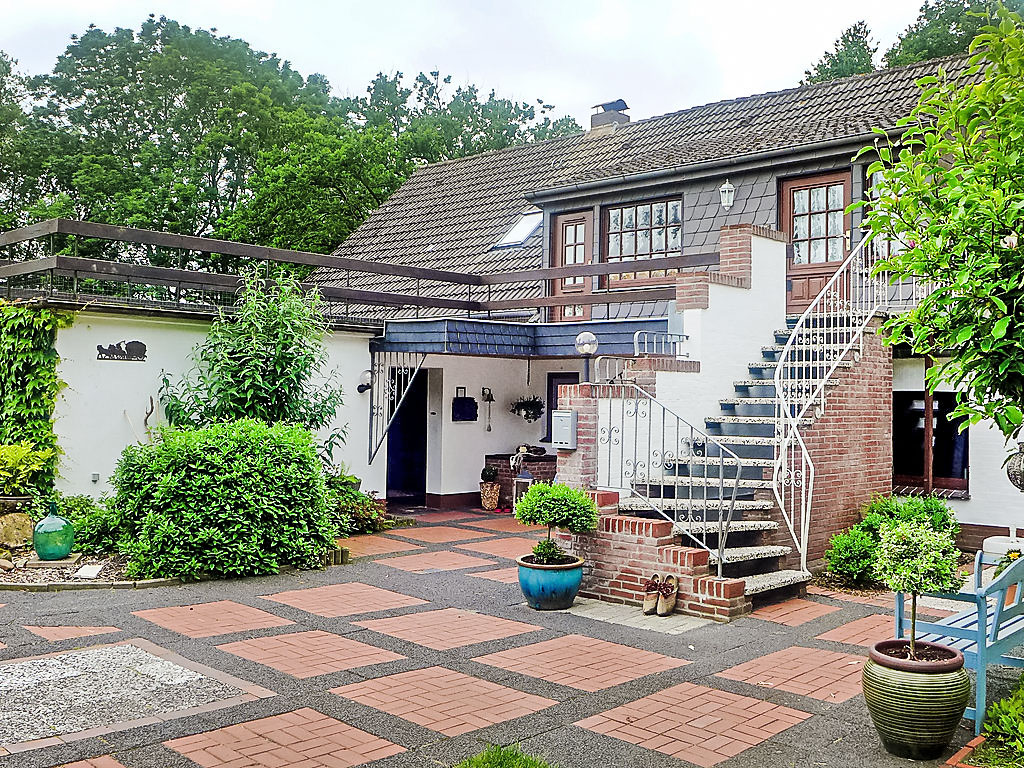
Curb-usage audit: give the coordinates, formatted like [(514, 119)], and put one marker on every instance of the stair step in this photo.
[(749, 420), (634, 503), (772, 364), (729, 461), (745, 554), (728, 440), (736, 526), (769, 348), (749, 401), (710, 482), (766, 582), (771, 383)]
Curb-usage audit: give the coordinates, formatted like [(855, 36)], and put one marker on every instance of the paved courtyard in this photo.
[(419, 653)]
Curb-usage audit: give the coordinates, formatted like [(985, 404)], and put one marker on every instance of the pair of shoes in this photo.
[(652, 590)]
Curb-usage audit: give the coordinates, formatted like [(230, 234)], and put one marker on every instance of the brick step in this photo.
[(766, 582), (746, 554), (636, 504)]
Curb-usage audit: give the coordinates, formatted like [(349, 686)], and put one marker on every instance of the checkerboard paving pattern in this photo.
[(443, 700), (210, 619), (581, 662), (510, 547), (53, 634), (447, 628), (104, 761), (439, 534), (349, 599), (308, 654), (434, 561), (447, 517), (696, 724), (879, 599), (504, 575), (824, 675), (506, 524), (866, 631), (794, 612), (366, 546), (303, 739)]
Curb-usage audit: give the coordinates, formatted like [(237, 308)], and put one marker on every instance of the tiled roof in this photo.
[(449, 215)]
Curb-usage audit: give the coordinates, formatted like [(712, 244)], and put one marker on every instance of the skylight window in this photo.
[(523, 227)]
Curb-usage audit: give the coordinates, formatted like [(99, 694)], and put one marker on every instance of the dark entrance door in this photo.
[(407, 447)]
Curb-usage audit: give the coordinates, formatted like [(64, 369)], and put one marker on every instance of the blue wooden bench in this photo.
[(982, 641)]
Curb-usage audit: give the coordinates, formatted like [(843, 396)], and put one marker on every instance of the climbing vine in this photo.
[(28, 378)]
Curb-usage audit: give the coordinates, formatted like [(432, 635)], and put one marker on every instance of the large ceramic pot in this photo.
[(489, 493), (550, 587), (915, 705)]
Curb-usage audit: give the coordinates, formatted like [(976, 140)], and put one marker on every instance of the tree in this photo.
[(952, 201), (853, 55), (943, 28)]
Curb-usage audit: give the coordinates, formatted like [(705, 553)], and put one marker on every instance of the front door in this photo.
[(814, 216), (572, 244), (407, 446)]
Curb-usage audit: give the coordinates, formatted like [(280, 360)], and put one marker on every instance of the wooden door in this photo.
[(572, 244), (813, 212)]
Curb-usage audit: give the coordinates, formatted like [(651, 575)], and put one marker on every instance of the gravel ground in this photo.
[(113, 570)]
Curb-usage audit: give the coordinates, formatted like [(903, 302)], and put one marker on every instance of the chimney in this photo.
[(609, 115)]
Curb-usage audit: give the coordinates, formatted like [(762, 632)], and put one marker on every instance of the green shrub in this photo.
[(851, 556), (1004, 722), (556, 506), (20, 465), (503, 757), (232, 499), (96, 525), (353, 511)]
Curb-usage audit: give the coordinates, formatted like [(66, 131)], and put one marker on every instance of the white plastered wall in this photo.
[(103, 405), (994, 500), (728, 335)]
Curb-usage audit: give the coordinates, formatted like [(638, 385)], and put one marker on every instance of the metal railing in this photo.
[(678, 471), (610, 369), (658, 343), (391, 376), (827, 334)]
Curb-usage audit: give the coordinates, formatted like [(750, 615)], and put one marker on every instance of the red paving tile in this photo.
[(823, 675), (504, 575), (439, 534), (510, 547), (443, 700), (53, 634), (581, 662), (447, 628), (794, 612), (106, 761), (210, 619), (308, 654), (506, 524), (367, 545), (866, 631), (303, 739), (447, 517), (344, 599), (434, 561), (696, 724), (877, 599)]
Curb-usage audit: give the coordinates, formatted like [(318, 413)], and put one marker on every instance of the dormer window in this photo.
[(524, 226), (649, 230)]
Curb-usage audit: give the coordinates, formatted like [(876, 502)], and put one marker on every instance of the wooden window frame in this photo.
[(790, 185), (614, 282)]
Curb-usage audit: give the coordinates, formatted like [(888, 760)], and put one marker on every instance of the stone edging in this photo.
[(959, 760)]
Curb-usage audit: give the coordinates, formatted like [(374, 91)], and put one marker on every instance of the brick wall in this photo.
[(625, 551), (543, 471), (851, 447)]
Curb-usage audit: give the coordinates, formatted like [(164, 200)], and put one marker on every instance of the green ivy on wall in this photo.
[(28, 377)]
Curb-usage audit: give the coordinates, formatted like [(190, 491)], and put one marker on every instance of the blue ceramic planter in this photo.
[(550, 587)]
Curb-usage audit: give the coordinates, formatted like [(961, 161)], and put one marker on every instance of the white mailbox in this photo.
[(563, 430)]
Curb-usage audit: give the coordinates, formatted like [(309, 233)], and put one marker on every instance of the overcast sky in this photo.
[(659, 56)]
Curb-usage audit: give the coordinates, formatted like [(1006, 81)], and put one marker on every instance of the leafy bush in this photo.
[(1004, 722), (556, 506), (353, 511), (233, 499), (503, 757), (20, 464), (913, 558), (96, 525), (851, 554)]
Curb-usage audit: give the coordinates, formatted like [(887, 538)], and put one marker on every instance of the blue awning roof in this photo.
[(451, 336)]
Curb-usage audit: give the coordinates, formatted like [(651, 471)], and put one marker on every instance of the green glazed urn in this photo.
[(916, 706), (53, 536)]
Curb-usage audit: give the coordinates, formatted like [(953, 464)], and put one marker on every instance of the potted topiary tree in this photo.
[(490, 488), (550, 577), (915, 691)]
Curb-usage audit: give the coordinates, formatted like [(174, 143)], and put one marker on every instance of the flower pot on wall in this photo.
[(489, 493), (550, 587), (916, 706)]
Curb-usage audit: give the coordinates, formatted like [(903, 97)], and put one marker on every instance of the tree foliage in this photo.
[(853, 55), (952, 199), (943, 28)]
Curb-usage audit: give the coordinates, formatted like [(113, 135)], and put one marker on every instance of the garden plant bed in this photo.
[(112, 571)]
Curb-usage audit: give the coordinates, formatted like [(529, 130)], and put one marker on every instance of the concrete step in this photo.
[(728, 440), (747, 401), (710, 482), (771, 365), (746, 554), (736, 526), (749, 420), (766, 582), (637, 504), (771, 383), (729, 461)]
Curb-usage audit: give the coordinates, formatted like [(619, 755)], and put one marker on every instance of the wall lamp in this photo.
[(365, 382), (728, 193)]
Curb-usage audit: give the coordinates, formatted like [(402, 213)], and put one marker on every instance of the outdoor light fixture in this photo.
[(586, 345), (728, 193), (365, 382)]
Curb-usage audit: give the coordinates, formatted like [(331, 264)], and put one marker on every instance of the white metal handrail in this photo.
[(829, 330), (658, 343)]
